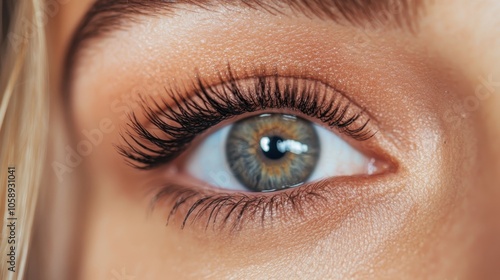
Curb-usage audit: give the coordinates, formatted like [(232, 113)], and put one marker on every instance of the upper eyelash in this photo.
[(188, 118)]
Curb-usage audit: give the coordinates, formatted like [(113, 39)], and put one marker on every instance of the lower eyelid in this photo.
[(231, 211), (205, 208)]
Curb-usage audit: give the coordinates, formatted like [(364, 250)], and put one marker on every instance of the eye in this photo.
[(278, 147), (270, 152)]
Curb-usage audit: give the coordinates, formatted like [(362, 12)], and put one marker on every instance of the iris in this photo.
[(272, 151)]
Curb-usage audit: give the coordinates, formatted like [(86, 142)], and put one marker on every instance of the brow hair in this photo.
[(106, 16)]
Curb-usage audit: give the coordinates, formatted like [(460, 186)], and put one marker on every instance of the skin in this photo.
[(432, 216)]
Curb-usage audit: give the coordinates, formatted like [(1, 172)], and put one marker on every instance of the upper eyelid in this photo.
[(225, 77), (106, 16), (173, 94), (162, 146)]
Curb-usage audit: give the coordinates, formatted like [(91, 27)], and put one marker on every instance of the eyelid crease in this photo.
[(184, 118)]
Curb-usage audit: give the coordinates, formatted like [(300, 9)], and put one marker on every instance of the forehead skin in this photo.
[(464, 33)]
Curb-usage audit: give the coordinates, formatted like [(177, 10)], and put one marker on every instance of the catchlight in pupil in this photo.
[(272, 151), (270, 148)]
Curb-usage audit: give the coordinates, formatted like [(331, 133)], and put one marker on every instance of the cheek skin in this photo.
[(417, 218), (465, 34)]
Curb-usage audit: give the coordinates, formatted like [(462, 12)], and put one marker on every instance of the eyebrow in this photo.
[(106, 16)]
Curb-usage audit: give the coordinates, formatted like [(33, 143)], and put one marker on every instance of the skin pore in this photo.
[(431, 215)]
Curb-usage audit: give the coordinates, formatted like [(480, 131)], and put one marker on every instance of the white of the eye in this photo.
[(338, 158), (208, 161)]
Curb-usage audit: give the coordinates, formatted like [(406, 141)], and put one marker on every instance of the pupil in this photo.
[(270, 149)]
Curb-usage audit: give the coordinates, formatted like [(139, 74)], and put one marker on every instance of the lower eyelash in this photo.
[(230, 211)]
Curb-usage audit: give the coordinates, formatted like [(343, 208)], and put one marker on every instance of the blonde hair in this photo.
[(23, 123)]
